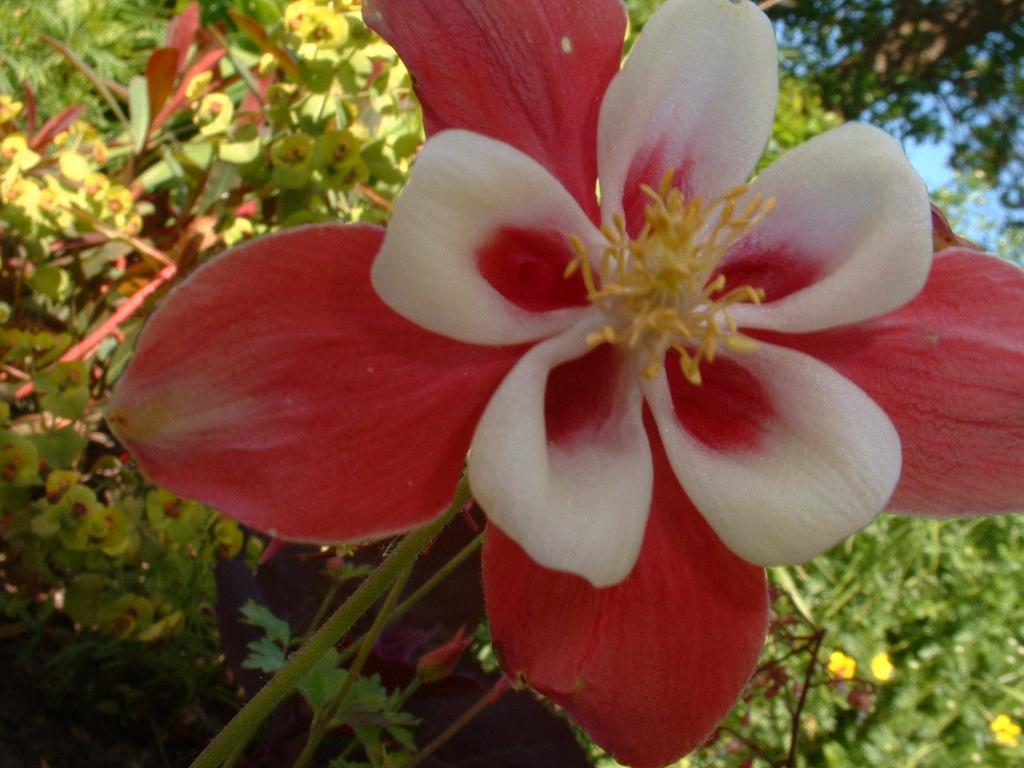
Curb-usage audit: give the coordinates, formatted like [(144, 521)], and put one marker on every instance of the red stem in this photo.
[(110, 326)]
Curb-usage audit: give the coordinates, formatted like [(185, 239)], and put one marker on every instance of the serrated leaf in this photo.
[(277, 630), (323, 681), (264, 655)]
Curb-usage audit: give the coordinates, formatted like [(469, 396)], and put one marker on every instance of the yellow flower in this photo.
[(14, 150), (198, 85), (214, 114), (100, 151), (95, 185), (842, 666), (9, 108), (73, 166), (23, 192), (313, 23), (882, 667), (1005, 730)]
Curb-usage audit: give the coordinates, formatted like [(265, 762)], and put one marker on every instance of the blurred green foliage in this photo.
[(114, 37)]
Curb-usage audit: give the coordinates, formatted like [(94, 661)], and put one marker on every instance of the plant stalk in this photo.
[(243, 725)]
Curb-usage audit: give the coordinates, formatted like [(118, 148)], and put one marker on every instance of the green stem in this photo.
[(499, 689), (324, 605), (322, 721), (243, 725), (440, 575)]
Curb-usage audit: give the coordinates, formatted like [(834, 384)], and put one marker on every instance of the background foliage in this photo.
[(134, 622)]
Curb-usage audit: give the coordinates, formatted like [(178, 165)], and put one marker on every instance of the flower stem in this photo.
[(322, 720), (498, 690), (243, 725), (440, 575)]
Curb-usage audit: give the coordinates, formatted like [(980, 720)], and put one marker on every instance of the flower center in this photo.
[(662, 289)]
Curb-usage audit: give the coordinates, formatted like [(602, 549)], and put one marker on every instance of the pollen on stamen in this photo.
[(661, 289)]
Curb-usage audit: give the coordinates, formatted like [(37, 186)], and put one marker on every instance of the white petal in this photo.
[(464, 188), (848, 203), (825, 464), (699, 90), (580, 504)]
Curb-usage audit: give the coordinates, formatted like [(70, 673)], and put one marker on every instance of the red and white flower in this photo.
[(660, 388)]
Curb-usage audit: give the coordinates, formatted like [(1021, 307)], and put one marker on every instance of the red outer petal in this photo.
[(948, 369), (531, 73), (274, 385), (647, 667)]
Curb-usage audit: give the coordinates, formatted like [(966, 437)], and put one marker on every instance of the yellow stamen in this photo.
[(657, 289)]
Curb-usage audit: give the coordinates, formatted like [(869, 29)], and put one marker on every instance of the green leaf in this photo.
[(244, 149), (264, 655), (59, 449), (276, 630), (369, 735), (138, 106), (64, 389), (323, 681), (53, 282), (19, 459)]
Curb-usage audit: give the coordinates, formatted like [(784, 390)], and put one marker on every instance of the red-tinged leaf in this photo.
[(258, 35), (30, 107), (55, 125), (251, 27), (248, 209), (160, 73), (204, 62), (181, 33)]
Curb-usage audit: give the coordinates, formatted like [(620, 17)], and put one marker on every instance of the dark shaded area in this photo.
[(109, 708)]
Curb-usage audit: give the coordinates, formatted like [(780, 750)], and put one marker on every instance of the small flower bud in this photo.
[(440, 662)]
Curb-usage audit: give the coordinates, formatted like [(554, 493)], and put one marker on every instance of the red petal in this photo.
[(276, 386), (948, 369), (527, 267), (727, 410), (582, 394), (527, 72), (774, 269), (647, 667)]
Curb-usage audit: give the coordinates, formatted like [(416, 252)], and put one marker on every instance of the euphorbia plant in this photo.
[(660, 388)]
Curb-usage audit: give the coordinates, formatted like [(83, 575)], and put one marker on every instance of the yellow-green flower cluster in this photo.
[(46, 191), (317, 26)]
